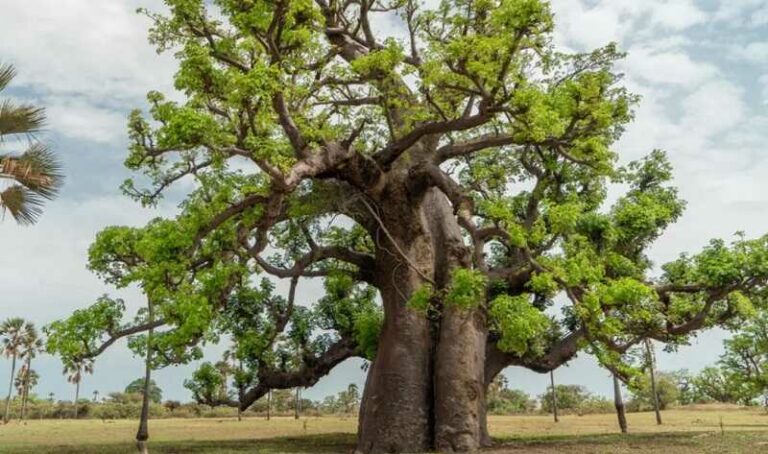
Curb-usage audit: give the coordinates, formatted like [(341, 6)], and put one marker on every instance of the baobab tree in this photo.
[(455, 169)]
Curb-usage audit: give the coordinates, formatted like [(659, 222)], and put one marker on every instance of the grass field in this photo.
[(703, 430)]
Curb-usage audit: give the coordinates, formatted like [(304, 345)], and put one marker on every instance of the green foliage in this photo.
[(367, 331), (518, 322), (569, 398), (501, 400), (293, 120), (467, 288), (666, 389), (345, 401), (420, 299), (742, 372), (208, 385), (137, 387), (82, 333)]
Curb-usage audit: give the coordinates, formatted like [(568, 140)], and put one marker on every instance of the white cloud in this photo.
[(48, 260), (75, 118), (667, 67), (713, 108), (759, 17), (87, 62), (96, 49), (754, 52), (763, 81), (677, 14), (585, 28), (737, 13), (620, 20)]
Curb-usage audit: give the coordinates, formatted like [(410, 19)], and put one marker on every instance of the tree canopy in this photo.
[(137, 387), (455, 168)]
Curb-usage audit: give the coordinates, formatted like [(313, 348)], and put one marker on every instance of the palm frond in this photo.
[(7, 73), (20, 119), (24, 205), (37, 169)]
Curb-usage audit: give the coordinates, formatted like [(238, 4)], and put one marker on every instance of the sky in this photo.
[(701, 67)]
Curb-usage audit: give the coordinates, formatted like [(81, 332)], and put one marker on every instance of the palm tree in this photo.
[(74, 369), (32, 344), (12, 332), (35, 174), (26, 379)]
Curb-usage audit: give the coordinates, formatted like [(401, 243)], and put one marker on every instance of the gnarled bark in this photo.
[(425, 388), (396, 410)]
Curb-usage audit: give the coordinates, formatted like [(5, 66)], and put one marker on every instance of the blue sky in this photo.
[(700, 65)]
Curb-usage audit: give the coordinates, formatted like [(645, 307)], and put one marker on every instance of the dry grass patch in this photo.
[(684, 432)]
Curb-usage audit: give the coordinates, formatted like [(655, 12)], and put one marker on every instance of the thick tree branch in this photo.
[(310, 372)]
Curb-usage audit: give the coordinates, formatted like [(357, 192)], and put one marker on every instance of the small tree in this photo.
[(25, 381), (74, 369), (666, 391), (207, 386), (32, 345), (503, 400), (719, 385), (745, 361), (569, 397), (171, 405), (137, 387), (349, 399)]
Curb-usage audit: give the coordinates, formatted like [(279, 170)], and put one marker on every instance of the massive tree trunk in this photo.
[(396, 409), (459, 381), (425, 388), (460, 353)]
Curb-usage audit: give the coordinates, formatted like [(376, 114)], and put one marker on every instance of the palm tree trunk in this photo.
[(554, 395), (77, 392), (618, 402), (10, 391), (143, 433), (25, 394)]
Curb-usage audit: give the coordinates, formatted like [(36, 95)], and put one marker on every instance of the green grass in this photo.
[(691, 431)]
